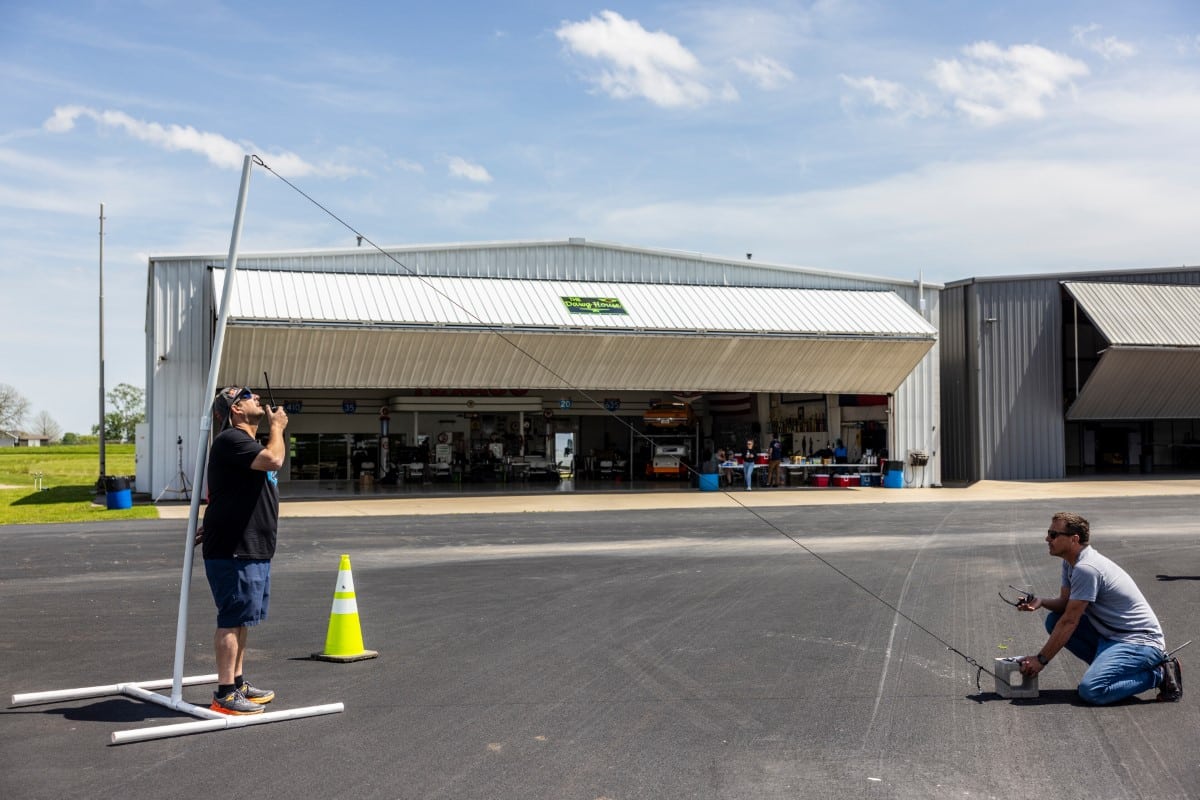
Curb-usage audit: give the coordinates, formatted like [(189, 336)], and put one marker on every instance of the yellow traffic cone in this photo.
[(344, 640)]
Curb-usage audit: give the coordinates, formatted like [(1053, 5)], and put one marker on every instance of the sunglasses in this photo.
[(1055, 534), (241, 394)]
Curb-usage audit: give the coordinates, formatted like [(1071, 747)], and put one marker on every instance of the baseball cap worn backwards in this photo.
[(223, 405)]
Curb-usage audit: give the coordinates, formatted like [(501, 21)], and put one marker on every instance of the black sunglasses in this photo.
[(1053, 534), (242, 394)]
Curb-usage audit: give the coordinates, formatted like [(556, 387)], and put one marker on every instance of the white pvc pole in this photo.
[(59, 695), (203, 712), (226, 721), (205, 427)]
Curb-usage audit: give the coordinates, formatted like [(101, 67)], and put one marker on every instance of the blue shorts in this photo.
[(241, 589)]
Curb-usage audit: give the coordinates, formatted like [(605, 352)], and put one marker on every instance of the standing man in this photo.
[(774, 460), (1101, 616), (239, 534), (748, 456)]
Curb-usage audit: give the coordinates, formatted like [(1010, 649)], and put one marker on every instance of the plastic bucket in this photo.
[(709, 482), (893, 480)]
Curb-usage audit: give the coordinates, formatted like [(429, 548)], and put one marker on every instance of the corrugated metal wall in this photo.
[(180, 315), (179, 330), (915, 420), (1020, 380), (957, 341), (590, 261)]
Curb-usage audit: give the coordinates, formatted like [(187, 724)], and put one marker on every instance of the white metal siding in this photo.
[(179, 328), (583, 261)]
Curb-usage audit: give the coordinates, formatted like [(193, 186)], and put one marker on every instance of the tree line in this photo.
[(125, 407)]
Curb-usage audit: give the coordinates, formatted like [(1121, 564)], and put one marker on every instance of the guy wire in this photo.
[(363, 237)]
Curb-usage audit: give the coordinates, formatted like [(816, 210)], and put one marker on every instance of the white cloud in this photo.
[(892, 96), (461, 168), (407, 165), (453, 208), (768, 73), (1186, 45), (1110, 47), (992, 85), (953, 220), (1169, 109), (220, 151), (640, 63)]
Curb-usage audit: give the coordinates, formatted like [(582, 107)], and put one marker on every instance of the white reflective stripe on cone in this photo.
[(348, 606)]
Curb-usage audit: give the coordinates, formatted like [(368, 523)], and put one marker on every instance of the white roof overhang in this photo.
[(1151, 369), (330, 330)]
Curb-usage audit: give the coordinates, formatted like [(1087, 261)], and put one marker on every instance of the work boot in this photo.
[(1171, 688)]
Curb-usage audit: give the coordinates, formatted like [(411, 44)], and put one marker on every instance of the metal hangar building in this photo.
[(522, 346)]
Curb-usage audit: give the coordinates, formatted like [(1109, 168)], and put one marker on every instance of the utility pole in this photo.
[(103, 469)]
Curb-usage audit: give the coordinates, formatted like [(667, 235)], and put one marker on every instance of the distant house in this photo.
[(19, 439)]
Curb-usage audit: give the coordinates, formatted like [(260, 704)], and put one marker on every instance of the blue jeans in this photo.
[(1117, 669), (749, 468)]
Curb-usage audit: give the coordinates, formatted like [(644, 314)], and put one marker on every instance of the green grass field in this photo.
[(69, 475)]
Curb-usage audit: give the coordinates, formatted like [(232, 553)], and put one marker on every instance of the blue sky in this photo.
[(953, 139)]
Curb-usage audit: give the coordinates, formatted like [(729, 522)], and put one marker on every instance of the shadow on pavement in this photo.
[(113, 710), (1046, 697)]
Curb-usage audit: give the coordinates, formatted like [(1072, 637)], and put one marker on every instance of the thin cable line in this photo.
[(572, 387)]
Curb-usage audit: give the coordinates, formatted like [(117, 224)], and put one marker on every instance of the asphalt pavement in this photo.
[(794, 650)]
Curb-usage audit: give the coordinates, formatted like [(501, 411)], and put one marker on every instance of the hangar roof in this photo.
[(402, 300)]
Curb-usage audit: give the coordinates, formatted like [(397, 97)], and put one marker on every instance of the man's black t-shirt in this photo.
[(243, 503)]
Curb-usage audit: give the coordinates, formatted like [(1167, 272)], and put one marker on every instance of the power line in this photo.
[(361, 237)]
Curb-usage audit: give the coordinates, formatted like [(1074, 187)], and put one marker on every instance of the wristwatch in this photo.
[(1042, 659)]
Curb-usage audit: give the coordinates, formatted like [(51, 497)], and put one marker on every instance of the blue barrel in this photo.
[(117, 494), (709, 482), (893, 475)]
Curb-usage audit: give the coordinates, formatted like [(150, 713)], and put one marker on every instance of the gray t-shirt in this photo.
[(1116, 607)]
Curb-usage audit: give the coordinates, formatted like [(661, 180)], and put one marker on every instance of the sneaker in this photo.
[(235, 703), (1171, 688), (256, 695)]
